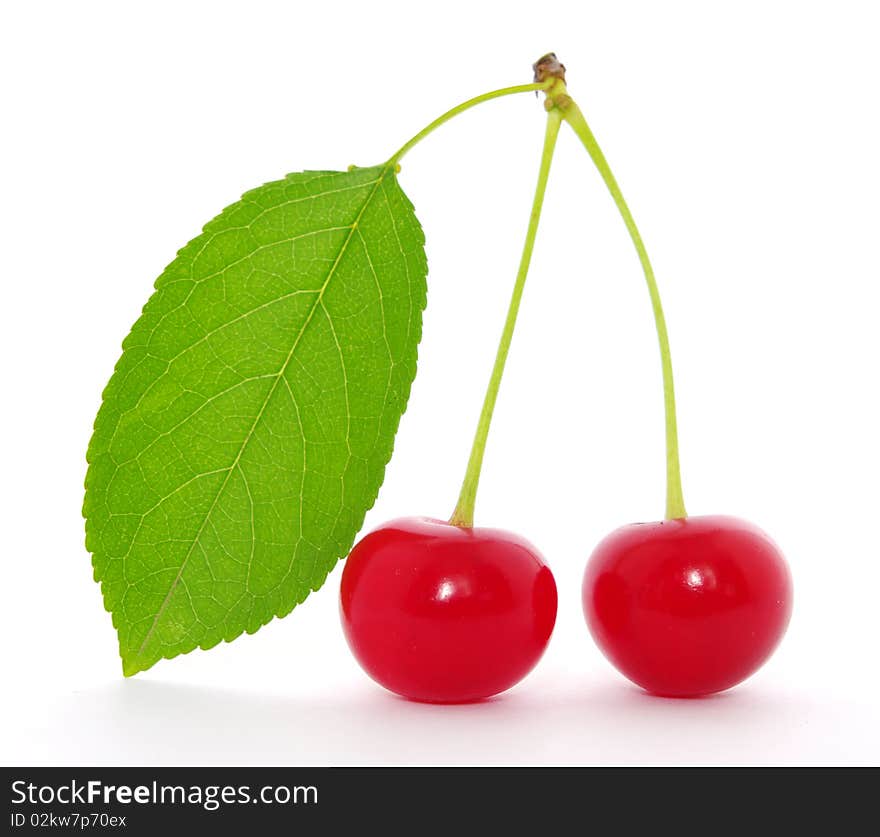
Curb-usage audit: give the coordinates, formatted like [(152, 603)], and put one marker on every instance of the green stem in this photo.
[(464, 510), (485, 97), (558, 95)]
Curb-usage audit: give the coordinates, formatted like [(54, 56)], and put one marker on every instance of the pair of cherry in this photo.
[(449, 614)]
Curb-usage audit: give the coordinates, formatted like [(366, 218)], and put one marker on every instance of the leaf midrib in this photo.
[(279, 376)]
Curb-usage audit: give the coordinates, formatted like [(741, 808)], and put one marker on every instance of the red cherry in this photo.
[(687, 607), (445, 614)]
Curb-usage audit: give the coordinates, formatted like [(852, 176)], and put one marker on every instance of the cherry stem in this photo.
[(477, 100), (558, 96), (464, 510)]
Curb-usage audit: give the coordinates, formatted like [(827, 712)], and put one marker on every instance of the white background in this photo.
[(745, 136)]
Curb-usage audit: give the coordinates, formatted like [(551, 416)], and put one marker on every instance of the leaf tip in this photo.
[(131, 666)]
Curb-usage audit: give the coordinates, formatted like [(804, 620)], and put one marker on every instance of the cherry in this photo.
[(446, 614), (687, 607)]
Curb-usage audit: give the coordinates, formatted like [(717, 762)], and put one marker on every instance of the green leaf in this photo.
[(246, 428)]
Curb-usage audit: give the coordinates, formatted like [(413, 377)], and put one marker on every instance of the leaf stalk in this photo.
[(453, 112)]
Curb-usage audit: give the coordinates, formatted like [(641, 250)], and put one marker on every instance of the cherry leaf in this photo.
[(246, 428)]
